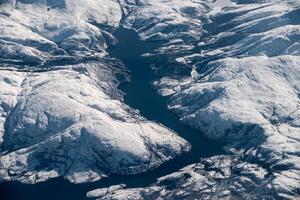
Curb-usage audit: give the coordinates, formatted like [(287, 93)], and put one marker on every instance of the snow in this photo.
[(35, 32), (62, 119), (219, 5), (166, 20), (241, 86), (232, 71), (211, 178), (65, 113)]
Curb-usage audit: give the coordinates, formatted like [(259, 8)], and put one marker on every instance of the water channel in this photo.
[(139, 95)]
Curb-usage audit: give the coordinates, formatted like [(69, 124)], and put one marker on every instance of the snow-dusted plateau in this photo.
[(83, 99)]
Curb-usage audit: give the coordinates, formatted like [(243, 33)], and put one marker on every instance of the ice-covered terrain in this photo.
[(213, 178), (166, 19), (36, 31), (229, 68), (237, 79), (61, 123), (61, 111)]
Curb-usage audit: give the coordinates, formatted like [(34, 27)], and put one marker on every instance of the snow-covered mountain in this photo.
[(213, 178), (244, 87), (228, 68), (61, 111)]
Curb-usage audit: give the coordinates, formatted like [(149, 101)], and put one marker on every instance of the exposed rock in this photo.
[(220, 177)]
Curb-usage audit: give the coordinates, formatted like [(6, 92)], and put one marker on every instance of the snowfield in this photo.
[(228, 68), (34, 31), (62, 123), (213, 178), (239, 83), (243, 87), (61, 111)]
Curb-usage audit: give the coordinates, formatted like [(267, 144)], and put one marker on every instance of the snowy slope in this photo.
[(230, 69), (212, 178), (61, 111), (35, 32), (240, 85), (236, 77), (166, 19)]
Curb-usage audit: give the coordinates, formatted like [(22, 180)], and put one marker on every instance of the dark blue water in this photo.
[(139, 95), (142, 96)]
